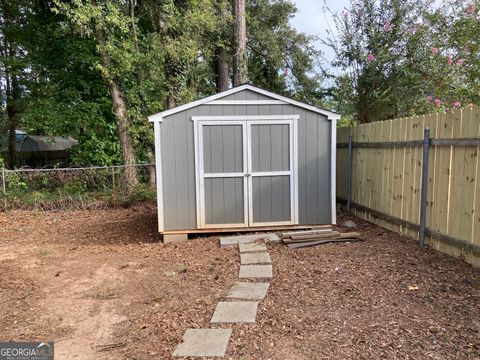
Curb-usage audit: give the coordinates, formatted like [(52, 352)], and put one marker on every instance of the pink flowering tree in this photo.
[(399, 58)]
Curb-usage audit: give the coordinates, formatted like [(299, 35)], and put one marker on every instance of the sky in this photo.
[(312, 19)]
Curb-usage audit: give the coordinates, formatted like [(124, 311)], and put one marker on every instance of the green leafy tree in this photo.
[(13, 68), (66, 94), (280, 58)]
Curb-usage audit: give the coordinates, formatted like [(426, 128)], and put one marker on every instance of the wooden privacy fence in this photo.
[(381, 180)]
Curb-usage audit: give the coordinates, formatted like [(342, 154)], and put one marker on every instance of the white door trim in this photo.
[(292, 172), (212, 119), (200, 175), (248, 174)]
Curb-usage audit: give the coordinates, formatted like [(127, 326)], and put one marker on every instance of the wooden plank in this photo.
[(458, 181), (358, 183), (375, 191), (414, 189), (320, 242), (442, 174), (369, 166), (409, 168), (307, 232), (398, 133), (342, 163), (403, 133), (355, 166), (474, 238), (388, 180), (315, 236), (383, 136), (431, 123)]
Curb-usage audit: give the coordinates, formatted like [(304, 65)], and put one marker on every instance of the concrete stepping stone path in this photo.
[(252, 247), (214, 342), (245, 239), (255, 258), (204, 343), (255, 271), (235, 312), (248, 291)]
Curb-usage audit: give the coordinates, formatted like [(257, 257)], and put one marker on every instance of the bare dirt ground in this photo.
[(101, 286)]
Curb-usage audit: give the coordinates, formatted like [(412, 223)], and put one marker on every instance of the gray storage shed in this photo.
[(244, 159)]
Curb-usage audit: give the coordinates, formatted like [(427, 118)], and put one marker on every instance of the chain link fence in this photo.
[(86, 187)]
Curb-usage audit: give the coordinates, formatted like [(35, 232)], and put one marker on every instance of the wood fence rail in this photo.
[(386, 177)]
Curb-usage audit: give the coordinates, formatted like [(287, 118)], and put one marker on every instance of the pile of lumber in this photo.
[(314, 237)]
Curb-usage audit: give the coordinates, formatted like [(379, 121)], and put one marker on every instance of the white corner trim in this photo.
[(246, 102), (158, 175), (245, 118), (333, 169), (330, 114), (295, 171), (155, 118), (335, 118)]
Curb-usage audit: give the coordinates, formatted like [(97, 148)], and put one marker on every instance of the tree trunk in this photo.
[(239, 43), (221, 52), (12, 112), (12, 87), (170, 101), (130, 174), (151, 169), (222, 69)]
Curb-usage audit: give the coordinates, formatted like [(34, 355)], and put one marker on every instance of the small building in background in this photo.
[(40, 151)]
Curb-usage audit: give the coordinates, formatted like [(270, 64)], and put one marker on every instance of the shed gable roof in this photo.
[(217, 99)]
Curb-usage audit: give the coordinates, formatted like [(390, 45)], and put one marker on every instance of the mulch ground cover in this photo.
[(100, 281)]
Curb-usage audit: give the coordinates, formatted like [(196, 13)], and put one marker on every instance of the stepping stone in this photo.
[(244, 239), (235, 312), (204, 343), (255, 258), (255, 271), (248, 291), (252, 247)]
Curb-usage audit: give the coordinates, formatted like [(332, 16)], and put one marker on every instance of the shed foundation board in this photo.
[(174, 238), (235, 312), (248, 291), (243, 229), (204, 343)]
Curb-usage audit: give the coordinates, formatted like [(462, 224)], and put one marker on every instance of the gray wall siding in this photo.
[(178, 171), (246, 95)]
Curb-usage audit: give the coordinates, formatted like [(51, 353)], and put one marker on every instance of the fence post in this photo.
[(113, 182), (423, 204), (349, 196), (4, 188)]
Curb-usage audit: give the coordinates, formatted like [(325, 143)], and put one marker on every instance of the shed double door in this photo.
[(246, 174)]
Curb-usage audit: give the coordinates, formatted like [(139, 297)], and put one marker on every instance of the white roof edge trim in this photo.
[(159, 116)]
